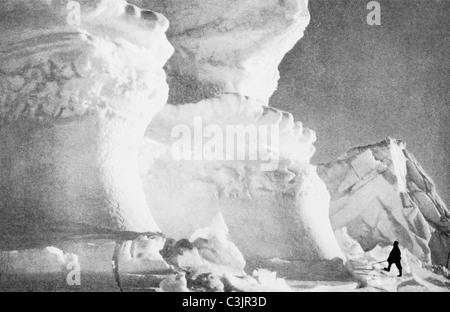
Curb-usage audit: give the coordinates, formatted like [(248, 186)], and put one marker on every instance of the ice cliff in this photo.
[(381, 194)]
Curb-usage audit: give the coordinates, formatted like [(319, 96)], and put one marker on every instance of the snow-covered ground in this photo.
[(207, 262)]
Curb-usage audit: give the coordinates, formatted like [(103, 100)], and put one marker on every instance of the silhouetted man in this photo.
[(395, 257)]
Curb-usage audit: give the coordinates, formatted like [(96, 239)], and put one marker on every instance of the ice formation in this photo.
[(234, 48), (274, 208), (75, 103), (224, 69), (77, 100), (381, 194), (89, 162)]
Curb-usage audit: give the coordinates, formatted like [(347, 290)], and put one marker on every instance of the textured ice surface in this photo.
[(381, 194), (74, 105), (280, 213), (228, 46)]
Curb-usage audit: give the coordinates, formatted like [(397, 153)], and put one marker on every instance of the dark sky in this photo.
[(356, 84)]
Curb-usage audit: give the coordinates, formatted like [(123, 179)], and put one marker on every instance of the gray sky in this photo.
[(356, 84)]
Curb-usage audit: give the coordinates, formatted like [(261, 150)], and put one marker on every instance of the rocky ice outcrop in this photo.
[(380, 194), (74, 105)]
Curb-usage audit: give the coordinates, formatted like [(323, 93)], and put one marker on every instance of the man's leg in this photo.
[(399, 267), (389, 267)]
